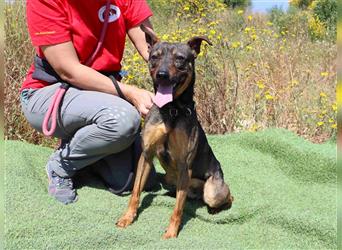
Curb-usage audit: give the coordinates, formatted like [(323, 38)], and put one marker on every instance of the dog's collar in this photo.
[(174, 111)]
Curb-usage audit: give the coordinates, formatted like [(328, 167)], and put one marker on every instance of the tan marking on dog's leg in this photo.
[(182, 189), (153, 135)]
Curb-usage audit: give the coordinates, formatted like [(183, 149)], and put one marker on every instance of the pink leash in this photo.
[(58, 96)]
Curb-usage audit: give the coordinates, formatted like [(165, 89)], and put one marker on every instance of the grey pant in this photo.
[(95, 125)]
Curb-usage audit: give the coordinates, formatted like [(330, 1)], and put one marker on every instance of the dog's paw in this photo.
[(170, 234), (125, 221)]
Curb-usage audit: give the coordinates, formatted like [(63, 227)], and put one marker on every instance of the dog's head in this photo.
[(171, 65)]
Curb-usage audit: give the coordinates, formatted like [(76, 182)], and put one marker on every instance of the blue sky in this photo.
[(264, 5)]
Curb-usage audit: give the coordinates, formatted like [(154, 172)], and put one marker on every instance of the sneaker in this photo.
[(60, 187)]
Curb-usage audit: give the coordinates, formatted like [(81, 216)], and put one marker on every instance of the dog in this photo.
[(173, 133)]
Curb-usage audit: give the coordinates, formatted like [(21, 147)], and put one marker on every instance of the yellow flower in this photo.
[(236, 44), (319, 124), (254, 36), (254, 128), (331, 120), (240, 12), (334, 107), (257, 96), (250, 18), (186, 8), (269, 97), (322, 94), (324, 74), (136, 57), (334, 125), (212, 32), (247, 29), (269, 23), (260, 84), (249, 48), (294, 83)]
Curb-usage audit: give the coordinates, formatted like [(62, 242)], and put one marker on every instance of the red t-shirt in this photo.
[(57, 21)]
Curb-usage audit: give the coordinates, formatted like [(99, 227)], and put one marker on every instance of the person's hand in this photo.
[(140, 98)]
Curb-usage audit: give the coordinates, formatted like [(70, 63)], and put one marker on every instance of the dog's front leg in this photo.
[(183, 183), (143, 170)]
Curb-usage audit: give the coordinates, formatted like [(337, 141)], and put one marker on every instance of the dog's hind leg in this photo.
[(143, 170), (183, 182)]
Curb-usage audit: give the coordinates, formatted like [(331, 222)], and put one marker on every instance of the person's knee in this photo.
[(119, 126)]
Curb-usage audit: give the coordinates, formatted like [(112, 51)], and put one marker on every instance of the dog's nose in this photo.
[(163, 75)]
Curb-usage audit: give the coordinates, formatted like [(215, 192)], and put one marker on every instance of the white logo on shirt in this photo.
[(114, 13)]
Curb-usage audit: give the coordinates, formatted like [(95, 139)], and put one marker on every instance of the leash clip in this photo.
[(173, 112)]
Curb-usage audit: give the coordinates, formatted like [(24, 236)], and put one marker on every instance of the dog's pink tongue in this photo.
[(163, 95)]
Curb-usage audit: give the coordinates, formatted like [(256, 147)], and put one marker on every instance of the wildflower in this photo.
[(254, 36), (269, 97), (240, 12), (334, 125), (254, 128), (136, 57), (322, 94), (236, 44), (249, 48), (294, 83), (319, 124), (269, 23), (247, 29), (334, 107), (212, 32), (250, 18), (331, 120), (260, 84), (186, 8), (324, 74)]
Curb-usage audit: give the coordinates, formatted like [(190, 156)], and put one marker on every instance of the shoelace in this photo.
[(63, 182)]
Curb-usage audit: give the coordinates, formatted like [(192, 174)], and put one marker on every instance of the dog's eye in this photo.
[(180, 58), (154, 57)]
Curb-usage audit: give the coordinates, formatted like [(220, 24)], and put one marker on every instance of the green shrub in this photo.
[(326, 12), (303, 4), (237, 3)]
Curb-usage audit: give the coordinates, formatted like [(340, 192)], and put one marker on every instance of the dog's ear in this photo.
[(151, 37), (195, 43)]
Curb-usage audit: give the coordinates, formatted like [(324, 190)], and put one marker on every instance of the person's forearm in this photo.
[(87, 78)]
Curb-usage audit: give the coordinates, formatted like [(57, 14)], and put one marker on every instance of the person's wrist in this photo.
[(127, 90)]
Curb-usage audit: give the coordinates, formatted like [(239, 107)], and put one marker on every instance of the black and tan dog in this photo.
[(173, 134)]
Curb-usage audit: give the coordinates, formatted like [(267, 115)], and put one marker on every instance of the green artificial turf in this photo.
[(284, 189)]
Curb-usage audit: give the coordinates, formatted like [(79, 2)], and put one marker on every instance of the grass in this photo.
[(284, 189)]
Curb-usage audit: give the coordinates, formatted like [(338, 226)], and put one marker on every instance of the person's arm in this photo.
[(137, 36), (64, 60)]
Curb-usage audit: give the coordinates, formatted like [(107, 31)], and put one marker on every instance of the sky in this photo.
[(264, 5)]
